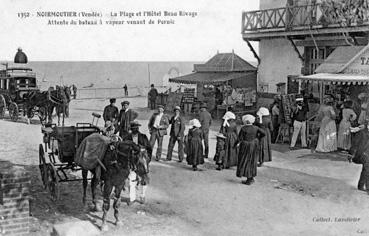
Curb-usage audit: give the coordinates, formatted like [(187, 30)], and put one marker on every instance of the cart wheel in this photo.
[(42, 165), (13, 111), (2, 106), (52, 181)]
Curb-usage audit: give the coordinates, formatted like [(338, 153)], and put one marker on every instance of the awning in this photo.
[(209, 77), (344, 79)]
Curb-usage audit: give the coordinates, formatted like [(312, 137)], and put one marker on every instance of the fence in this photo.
[(91, 93)]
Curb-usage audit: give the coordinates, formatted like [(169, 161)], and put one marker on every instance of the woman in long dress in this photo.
[(248, 155), (229, 129), (344, 133), (195, 150), (327, 140), (265, 123)]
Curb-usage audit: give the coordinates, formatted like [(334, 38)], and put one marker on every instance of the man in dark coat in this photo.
[(126, 116), (153, 93), (111, 111), (359, 149), (158, 125), (176, 134), (139, 138), (205, 120)]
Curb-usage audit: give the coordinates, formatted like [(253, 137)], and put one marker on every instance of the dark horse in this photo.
[(121, 158), (44, 103), (60, 98)]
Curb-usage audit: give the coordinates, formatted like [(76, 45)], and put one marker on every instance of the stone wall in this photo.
[(14, 200)]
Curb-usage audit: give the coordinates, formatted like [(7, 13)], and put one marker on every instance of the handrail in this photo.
[(304, 16)]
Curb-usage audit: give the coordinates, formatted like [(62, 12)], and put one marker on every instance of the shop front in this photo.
[(225, 82)]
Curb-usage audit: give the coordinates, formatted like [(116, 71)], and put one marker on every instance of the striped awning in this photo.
[(209, 77), (339, 79)]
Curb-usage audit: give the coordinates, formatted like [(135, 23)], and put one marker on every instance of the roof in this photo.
[(209, 77), (337, 78), (225, 62), (340, 59)]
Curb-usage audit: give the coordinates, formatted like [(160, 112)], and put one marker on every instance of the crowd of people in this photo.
[(246, 149), (342, 128)]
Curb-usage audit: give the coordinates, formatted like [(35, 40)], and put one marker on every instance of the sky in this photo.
[(216, 26)]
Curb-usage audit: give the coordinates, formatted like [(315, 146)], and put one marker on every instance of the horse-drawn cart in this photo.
[(58, 151)]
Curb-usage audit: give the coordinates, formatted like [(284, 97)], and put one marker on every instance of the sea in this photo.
[(106, 74)]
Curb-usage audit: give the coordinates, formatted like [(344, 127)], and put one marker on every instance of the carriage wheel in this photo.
[(52, 181), (42, 165), (2, 106), (13, 111)]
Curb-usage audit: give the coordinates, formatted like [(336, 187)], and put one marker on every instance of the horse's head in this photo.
[(67, 91), (142, 161), (134, 157)]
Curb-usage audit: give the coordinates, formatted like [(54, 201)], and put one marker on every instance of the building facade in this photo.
[(295, 36)]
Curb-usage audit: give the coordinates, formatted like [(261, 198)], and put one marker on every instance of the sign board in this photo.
[(360, 66), (189, 95)]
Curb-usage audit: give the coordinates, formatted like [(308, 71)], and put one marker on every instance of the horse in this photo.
[(38, 101), (120, 158), (60, 99)]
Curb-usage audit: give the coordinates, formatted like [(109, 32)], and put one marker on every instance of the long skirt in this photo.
[(344, 135), (195, 152), (265, 149), (327, 141), (248, 159), (230, 157)]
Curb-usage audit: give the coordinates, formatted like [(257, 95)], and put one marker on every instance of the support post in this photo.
[(296, 50), (253, 50)]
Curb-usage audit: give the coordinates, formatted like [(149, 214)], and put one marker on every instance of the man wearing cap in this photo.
[(139, 138), (126, 116), (205, 120), (111, 111), (176, 134), (299, 124), (158, 125), (153, 93)]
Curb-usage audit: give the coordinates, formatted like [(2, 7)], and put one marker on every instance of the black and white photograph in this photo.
[(197, 117)]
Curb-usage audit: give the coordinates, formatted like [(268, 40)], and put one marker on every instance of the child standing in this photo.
[(220, 150)]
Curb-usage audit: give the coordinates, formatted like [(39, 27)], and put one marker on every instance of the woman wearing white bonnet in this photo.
[(229, 130), (195, 150), (264, 121), (248, 154), (248, 119)]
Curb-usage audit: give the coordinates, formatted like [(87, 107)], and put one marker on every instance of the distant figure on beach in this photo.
[(125, 90), (74, 88), (153, 93), (20, 57)]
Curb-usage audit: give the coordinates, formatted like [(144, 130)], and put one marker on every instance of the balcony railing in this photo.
[(291, 18)]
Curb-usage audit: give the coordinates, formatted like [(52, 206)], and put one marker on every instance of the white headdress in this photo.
[(248, 119), (227, 116), (195, 122), (262, 112)]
